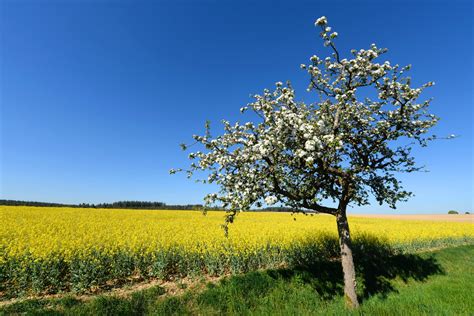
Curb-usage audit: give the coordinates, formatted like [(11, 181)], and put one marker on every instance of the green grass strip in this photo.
[(389, 283)]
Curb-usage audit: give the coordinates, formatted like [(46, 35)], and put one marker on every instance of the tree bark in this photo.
[(347, 260)]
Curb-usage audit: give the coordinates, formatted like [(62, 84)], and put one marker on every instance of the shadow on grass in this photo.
[(376, 262), (377, 266)]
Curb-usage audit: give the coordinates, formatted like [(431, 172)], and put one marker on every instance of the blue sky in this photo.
[(96, 96)]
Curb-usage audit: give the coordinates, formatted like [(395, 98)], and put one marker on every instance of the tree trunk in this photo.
[(347, 260)]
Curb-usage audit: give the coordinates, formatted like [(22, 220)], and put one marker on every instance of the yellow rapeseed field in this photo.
[(45, 231), (43, 237)]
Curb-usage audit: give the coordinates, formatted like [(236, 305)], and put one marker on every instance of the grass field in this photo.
[(51, 250), (431, 283)]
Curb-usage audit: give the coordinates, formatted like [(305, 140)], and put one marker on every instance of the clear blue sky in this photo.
[(97, 95)]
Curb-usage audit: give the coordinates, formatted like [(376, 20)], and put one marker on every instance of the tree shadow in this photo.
[(377, 266), (378, 263), (315, 266)]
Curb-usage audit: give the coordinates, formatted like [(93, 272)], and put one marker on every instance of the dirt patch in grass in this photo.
[(171, 288)]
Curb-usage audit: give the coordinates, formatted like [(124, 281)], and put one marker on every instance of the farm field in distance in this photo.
[(467, 218), (48, 250)]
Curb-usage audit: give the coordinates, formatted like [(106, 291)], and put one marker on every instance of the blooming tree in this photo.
[(325, 155)]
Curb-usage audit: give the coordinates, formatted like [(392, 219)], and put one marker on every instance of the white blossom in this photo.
[(270, 200), (300, 153), (321, 21), (310, 145)]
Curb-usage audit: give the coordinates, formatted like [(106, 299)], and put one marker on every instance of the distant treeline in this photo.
[(33, 203), (278, 209), (119, 204), (144, 205), (133, 205)]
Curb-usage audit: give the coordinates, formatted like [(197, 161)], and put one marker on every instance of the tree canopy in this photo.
[(350, 143)]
